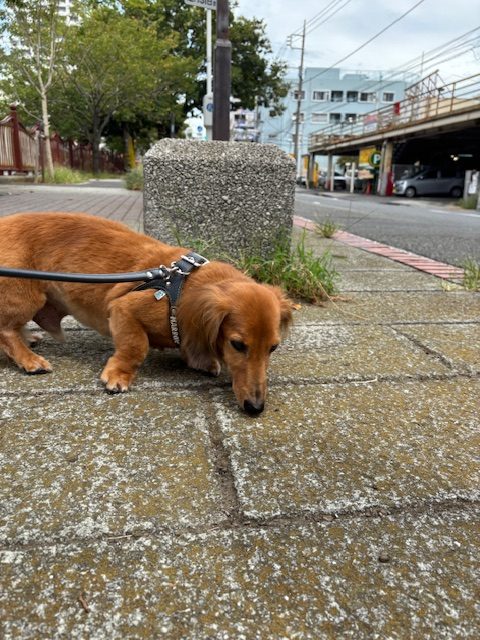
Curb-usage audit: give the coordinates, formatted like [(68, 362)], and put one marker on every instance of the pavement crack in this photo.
[(427, 350), (223, 469)]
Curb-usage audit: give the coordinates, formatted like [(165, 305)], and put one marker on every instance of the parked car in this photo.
[(435, 182), (339, 181)]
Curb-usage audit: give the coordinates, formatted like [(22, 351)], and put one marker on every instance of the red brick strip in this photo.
[(427, 265)]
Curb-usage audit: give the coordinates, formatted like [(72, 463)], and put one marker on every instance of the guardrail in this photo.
[(463, 95), (22, 150)]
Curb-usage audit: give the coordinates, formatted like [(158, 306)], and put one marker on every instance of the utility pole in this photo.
[(222, 77), (296, 151)]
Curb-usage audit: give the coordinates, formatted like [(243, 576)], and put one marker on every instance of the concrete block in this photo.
[(237, 197)]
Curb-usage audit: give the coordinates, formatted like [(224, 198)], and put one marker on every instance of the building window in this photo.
[(320, 118), (296, 94), (320, 96), (336, 96), (352, 96), (302, 117), (388, 97), (368, 97), (351, 118), (335, 118)]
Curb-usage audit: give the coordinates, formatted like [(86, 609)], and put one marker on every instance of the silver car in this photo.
[(435, 182)]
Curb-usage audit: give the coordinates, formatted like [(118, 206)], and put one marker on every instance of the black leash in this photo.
[(98, 278)]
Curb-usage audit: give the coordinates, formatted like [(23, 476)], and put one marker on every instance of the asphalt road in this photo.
[(433, 228)]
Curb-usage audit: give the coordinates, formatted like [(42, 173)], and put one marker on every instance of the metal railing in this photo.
[(462, 95), (22, 150)]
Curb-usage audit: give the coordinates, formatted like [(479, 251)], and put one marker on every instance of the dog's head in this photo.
[(239, 323)]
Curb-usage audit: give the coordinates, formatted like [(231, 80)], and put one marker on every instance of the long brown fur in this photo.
[(218, 304)]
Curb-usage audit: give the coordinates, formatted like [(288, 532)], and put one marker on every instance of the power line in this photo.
[(374, 37), (319, 24), (463, 44)]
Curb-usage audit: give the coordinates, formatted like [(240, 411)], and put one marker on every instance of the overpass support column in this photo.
[(311, 178), (386, 176), (330, 174)]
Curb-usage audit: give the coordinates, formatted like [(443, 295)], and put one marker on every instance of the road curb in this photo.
[(421, 263)]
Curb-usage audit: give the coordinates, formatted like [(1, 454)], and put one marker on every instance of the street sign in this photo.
[(375, 159), (204, 4)]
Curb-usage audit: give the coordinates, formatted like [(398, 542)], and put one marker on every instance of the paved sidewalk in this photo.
[(112, 201), (348, 509)]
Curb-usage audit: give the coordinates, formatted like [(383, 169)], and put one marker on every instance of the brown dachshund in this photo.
[(223, 316)]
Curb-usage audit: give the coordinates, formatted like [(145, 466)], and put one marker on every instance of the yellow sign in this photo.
[(369, 157)]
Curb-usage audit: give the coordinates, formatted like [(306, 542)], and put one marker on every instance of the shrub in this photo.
[(134, 179)]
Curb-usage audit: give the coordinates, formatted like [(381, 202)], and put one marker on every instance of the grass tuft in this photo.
[(63, 175), (470, 202), (327, 228), (296, 270), (471, 276)]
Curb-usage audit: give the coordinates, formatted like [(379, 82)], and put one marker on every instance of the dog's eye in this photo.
[(239, 346), (273, 347)]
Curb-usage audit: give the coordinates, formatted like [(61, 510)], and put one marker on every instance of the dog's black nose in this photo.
[(253, 408)]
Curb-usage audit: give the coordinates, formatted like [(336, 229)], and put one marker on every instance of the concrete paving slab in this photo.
[(388, 280), (457, 344), (394, 307), (346, 448), (324, 353), (77, 364), (114, 203), (80, 466), (345, 258), (404, 576)]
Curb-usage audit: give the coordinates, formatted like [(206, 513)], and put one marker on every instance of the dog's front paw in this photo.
[(116, 381), (36, 364)]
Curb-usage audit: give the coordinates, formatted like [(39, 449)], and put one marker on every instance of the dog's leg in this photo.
[(12, 343), (131, 348), (19, 304)]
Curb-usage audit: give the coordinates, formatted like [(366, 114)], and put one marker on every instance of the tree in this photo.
[(36, 36), (256, 78), (118, 69)]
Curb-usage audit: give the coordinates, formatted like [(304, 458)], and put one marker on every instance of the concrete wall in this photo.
[(236, 196)]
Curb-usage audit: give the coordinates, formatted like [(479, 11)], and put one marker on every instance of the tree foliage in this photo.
[(117, 68), (35, 37), (128, 67)]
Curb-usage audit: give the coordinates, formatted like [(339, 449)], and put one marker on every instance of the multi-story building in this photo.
[(331, 96), (65, 9)]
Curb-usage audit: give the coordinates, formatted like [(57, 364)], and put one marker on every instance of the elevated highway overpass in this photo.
[(431, 126)]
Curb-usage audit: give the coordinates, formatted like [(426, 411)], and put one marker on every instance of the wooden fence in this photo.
[(22, 151)]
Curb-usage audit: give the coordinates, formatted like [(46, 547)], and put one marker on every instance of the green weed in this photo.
[(470, 202), (63, 175), (471, 275), (134, 179), (296, 270), (327, 228)]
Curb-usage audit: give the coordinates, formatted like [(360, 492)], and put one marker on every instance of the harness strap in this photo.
[(169, 282)]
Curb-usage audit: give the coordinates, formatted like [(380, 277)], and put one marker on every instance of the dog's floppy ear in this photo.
[(200, 326), (286, 307)]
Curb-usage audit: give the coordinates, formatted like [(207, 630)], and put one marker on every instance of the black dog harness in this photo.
[(168, 281)]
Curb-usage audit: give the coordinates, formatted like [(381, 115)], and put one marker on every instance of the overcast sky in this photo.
[(430, 25)]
